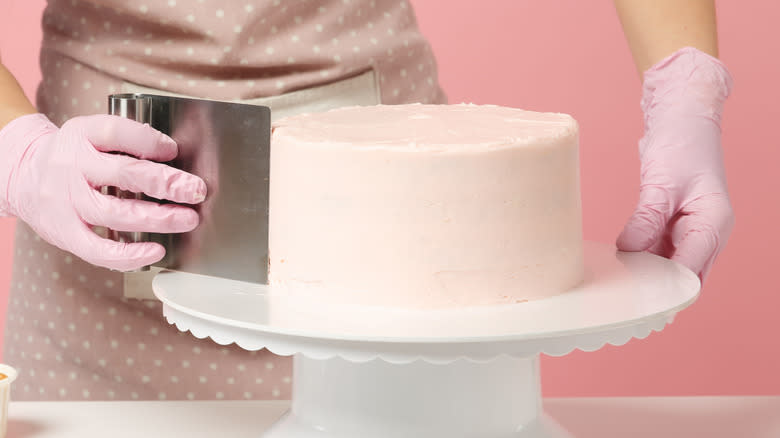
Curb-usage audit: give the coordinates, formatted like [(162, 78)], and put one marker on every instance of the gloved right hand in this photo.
[(51, 177), (684, 210)]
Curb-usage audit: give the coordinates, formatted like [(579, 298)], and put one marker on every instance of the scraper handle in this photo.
[(139, 108)]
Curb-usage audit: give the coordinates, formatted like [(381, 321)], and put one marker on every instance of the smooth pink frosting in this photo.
[(425, 206)]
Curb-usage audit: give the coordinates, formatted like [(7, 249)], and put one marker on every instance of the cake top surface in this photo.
[(428, 127)]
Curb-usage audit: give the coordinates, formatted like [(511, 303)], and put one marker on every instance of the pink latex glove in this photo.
[(50, 178), (684, 211)]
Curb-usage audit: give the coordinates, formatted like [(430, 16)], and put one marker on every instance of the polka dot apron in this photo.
[(70, 330)]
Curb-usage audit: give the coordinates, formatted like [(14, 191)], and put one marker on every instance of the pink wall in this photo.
[(570, 56), (20, 37)]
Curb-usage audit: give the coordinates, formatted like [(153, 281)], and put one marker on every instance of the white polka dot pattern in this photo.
[(113, 348), (70, 331), (304, 43)]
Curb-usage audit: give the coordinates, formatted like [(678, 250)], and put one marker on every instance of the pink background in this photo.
[(571, 57)]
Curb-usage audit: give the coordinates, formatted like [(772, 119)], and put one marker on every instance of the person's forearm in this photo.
[(13, 102), (655, 29)]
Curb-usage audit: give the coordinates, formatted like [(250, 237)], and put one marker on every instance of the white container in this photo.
[(5, 395)]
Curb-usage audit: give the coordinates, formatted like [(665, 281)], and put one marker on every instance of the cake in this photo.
[(425, 206)]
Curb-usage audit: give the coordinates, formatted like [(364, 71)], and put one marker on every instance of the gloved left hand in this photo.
[(684, 211), (49, 178)]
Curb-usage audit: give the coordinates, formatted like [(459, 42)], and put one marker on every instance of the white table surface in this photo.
[(668, 417)]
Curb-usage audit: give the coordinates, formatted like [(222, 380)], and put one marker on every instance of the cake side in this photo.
[(425, 206)]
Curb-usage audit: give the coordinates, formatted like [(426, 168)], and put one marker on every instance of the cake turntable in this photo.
[(379, 372)]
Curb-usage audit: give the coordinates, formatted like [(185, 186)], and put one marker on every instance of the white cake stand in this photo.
[(372, 372)]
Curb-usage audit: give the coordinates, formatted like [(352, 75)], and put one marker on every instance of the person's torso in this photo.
[(71, 332)]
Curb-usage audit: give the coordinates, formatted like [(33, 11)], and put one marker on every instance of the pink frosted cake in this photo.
[(425, 206)]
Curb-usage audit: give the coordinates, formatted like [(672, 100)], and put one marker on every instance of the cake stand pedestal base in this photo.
[(500, 398)]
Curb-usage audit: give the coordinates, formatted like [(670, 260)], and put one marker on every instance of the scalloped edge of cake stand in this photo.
[(312, 348), (625, 296)]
